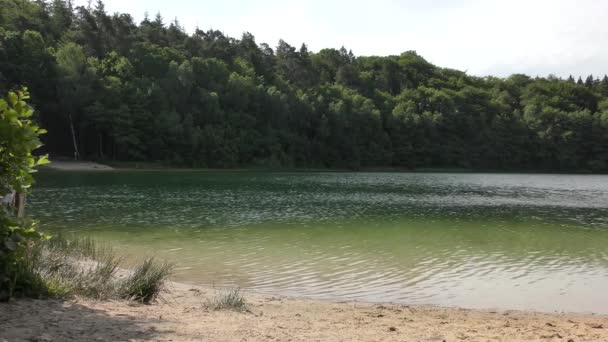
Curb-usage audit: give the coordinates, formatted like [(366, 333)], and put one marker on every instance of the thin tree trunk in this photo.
[(76, 154), (20, 204)]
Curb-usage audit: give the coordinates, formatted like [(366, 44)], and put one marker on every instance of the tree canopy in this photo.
[(150, 91)]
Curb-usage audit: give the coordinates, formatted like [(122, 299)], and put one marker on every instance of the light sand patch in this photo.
[(77, 166), (182, 316)]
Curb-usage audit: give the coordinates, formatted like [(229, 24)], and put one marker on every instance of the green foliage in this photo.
[(152, 92), (146, 282), (59, 268), (19, 138), (63, 268)]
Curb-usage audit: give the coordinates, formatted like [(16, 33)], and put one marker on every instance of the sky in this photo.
[(482, 37)]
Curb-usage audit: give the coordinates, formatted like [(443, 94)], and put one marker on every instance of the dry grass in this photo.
[(227, 299)]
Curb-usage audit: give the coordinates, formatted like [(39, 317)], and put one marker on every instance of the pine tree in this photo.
[(589, 81)]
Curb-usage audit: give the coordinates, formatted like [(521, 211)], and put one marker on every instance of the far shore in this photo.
[(181, 315), (61, 165), (71, 165)]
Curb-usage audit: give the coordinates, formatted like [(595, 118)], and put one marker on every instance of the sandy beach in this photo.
[(181, 316), (76, 166)]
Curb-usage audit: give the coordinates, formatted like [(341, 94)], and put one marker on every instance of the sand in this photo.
[(181, 316), (76, 166)]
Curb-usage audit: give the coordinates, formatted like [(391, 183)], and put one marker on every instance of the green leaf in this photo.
[(27, 113), (12, 98), (43, 160), (11, 114)]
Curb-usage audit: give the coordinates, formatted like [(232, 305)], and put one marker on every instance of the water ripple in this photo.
[(472, 240)]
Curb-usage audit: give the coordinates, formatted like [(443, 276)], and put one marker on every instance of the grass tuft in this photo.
[(227, 299), (146, 282), (62, 268)]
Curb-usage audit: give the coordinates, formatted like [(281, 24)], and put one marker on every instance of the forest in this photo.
[(108, 88)]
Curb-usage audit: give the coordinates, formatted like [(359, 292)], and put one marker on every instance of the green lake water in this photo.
[(510, 241)]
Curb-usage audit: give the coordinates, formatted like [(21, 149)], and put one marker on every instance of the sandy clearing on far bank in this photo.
[(181, 316), (77, 166)]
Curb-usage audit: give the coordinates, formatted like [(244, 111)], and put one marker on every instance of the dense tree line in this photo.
[(114, 89)]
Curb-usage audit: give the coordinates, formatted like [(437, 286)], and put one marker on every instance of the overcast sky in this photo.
[(485, 37)]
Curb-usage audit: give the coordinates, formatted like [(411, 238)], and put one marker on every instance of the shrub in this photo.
[(227, 299), (146, 282), (60, 268), (19, 139), (57, 268)]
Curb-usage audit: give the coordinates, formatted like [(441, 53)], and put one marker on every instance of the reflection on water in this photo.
[(472, 240)]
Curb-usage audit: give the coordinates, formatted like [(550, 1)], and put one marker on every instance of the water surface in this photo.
[(509, 241)]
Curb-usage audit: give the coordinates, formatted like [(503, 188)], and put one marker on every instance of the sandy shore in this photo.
[(77, 166), (182, 316)]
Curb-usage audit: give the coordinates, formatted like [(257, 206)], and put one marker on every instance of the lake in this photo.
[(507, 241)]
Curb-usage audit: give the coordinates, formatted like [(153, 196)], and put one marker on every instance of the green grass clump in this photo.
[(227, 299), (147, 281), (77, 267), (78, 247), (62, 268)]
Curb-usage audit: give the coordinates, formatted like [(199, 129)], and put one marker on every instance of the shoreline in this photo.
[(181, 315), (70, 166)]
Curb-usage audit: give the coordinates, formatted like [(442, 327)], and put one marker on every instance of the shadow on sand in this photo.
[(52, 320)]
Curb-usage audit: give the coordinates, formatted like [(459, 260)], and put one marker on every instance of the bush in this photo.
[(62, 268), (19, 139), (227, 299), (146, 282)]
